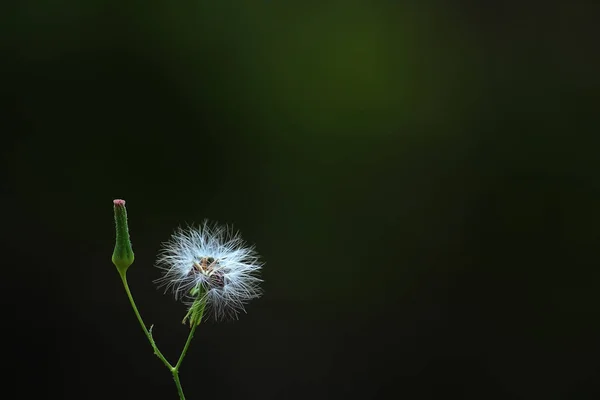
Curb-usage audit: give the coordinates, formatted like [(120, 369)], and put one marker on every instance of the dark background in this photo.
[(421, 179)]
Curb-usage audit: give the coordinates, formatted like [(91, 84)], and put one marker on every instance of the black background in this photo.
[(422, 181)]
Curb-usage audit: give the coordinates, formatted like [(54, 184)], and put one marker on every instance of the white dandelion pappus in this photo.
[(216, 259)]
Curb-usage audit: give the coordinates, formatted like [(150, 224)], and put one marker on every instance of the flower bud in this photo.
[(123, 254)]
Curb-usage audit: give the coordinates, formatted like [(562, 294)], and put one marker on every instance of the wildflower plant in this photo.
[(208, 267)]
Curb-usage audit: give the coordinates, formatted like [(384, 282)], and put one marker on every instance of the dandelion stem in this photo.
[(197, 312), (189, 340), (175, 369), (177, 383), (141, 321)]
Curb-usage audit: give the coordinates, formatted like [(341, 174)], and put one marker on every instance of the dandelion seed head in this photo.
[(216, 259)]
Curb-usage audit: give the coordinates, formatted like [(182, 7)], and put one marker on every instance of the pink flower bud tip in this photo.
[(119, 203)]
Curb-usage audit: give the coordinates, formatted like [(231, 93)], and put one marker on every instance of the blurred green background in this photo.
[(421, 179)]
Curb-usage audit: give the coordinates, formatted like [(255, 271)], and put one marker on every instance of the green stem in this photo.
[(178, 384), (174, 369), (139, 318), (187, 344)]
